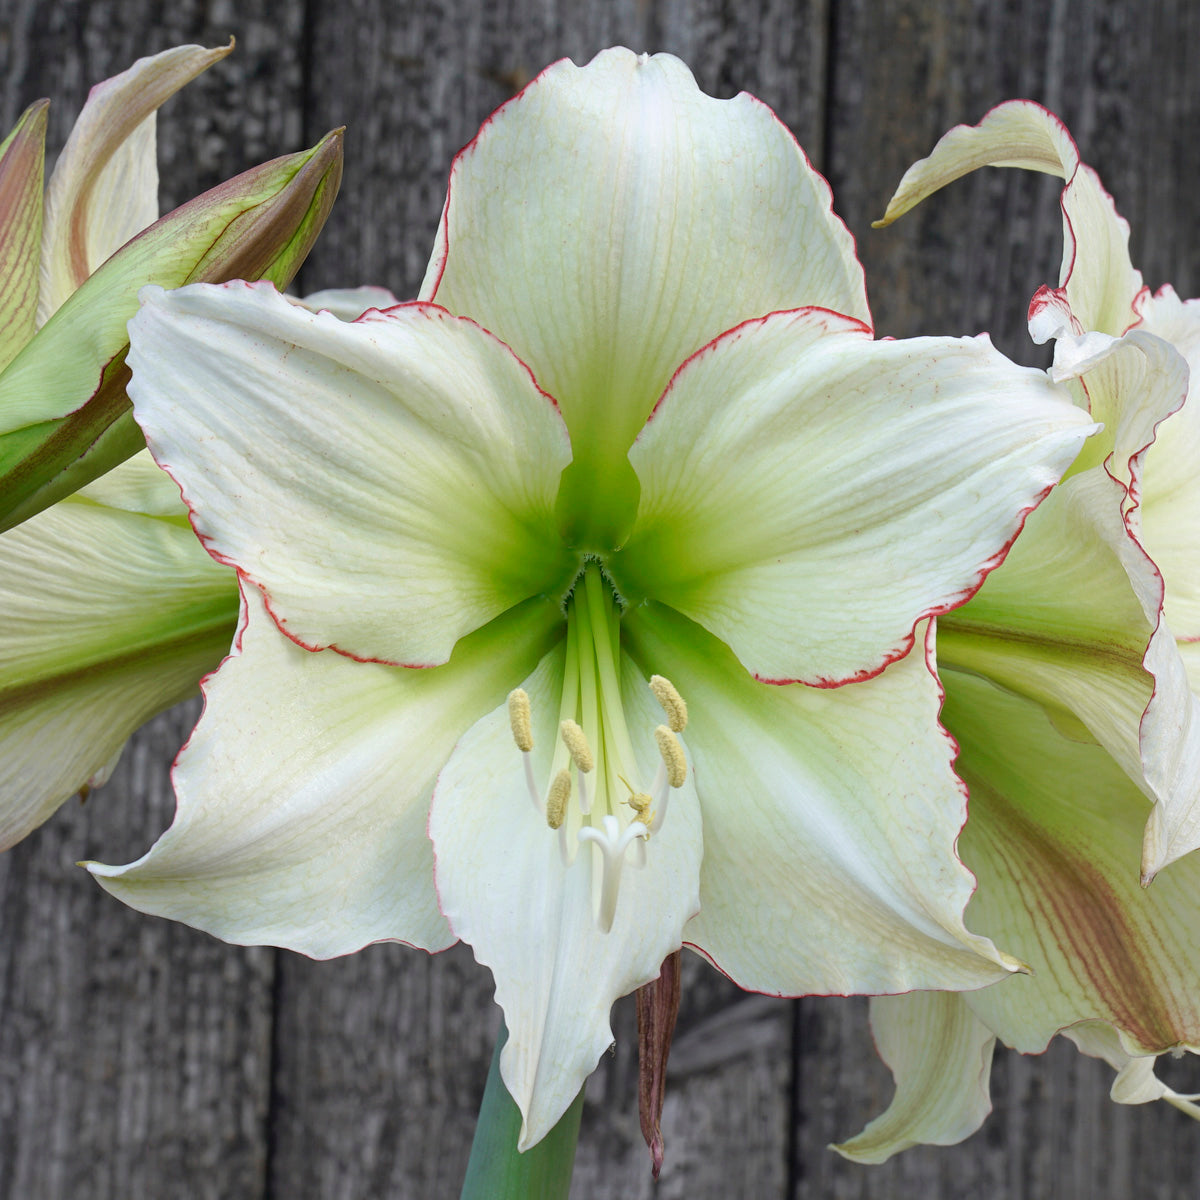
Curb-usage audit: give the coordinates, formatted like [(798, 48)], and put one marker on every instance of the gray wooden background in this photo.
[(139, 1059)]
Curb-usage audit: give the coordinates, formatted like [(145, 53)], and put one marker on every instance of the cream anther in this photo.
[(556, 801), (577, 746), (520, 719), (612, 843), (672, 703), (673, 758)]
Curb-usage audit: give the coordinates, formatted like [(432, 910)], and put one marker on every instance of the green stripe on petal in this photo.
[(303, 793), (610, 221), (389, 483), (110, 616), (830, 819), (808, 494), (1060, 623)]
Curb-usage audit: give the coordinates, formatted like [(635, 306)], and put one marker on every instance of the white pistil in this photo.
[(612, 843)]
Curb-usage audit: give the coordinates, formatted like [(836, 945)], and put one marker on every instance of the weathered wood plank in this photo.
[(134, 1053)]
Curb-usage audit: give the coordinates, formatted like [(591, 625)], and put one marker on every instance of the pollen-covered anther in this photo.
[(520, 718), (577, 746), (671, 749), (556, 799), (671, 701)]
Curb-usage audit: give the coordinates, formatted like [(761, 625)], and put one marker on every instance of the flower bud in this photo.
[(64, 415)]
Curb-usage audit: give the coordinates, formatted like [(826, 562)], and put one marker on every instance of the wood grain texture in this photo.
[(138, 1058), (135, 1055)]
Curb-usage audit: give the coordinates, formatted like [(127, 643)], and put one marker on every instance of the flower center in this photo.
[(593, 795)]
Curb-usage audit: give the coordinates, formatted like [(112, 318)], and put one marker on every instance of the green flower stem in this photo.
[(496, 1171)]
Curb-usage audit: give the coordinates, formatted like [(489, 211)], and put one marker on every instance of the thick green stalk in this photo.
[(496, 1171)]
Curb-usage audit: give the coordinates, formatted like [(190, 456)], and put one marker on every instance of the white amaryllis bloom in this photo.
[(635, 488), (1067, 690)]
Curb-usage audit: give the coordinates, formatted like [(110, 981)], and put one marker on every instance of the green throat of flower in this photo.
[(594, 794)]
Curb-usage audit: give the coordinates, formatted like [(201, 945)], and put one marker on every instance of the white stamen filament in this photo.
[(661, 791), (531, 783), (612, 843)]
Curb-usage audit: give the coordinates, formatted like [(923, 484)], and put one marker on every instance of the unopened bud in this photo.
[(260, 224)]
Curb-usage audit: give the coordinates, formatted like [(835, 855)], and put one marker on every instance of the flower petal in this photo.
[(1060, 622), (1136, 1082), (303, 793), (1054, 838), (941, 1057), (22, 162), (348, 304), (1171, 483), (809, 494), (1098, 282), (110, 616), (830, 818), (389, 484), (612, 219), (104, 187), (505, 889)]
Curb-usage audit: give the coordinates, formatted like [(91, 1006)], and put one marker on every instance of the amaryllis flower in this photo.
[(1067, 690), (71, 266), (569, 589)]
